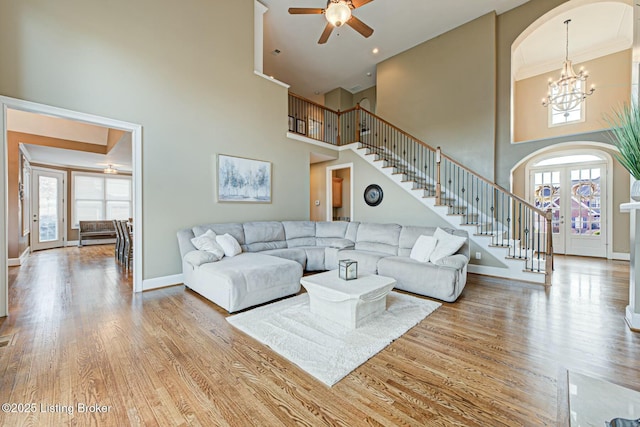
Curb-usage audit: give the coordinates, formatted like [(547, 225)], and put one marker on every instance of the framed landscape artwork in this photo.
[(243, 180)]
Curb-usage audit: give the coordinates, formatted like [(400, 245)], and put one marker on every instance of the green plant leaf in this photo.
[(625, 135)]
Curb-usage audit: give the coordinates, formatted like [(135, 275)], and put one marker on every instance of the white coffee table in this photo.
[(348, 302)]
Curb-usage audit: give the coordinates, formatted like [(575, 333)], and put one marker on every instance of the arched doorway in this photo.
[(574, 184)]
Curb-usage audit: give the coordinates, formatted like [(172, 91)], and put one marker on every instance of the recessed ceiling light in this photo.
[(369, 74), (375, 50)]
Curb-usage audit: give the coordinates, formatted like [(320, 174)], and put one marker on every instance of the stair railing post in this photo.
[(548, 262), (438, 187), (357, 134)]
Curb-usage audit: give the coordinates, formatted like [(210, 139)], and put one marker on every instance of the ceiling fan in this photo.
[(337, 12)]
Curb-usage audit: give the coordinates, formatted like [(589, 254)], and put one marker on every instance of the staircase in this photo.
[(507, 227)]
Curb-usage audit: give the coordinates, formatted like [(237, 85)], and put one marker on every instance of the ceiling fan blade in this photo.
[(359, 3), (360, 26), (325, 34), (305, 11)]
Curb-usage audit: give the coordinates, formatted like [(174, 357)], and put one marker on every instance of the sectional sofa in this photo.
[(276, 253)]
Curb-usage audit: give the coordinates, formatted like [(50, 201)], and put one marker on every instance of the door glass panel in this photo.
[(585, 202), (547, 195), (48, 208)]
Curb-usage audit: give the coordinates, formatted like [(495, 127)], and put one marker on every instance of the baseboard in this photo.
[(161, 282), (622, 256), (505, 273), (633, 319), (15, 262), (91, 242)]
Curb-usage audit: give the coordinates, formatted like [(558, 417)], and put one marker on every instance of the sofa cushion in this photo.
[(367, 260), (294, 254), (248, 273), (423, 248), (334, 242), (315, 258), (423, 278), (197, 258), (448, 244), (331, 229), (381, 238), (264, 235), (235, 229), (300, 233), (457, 261)]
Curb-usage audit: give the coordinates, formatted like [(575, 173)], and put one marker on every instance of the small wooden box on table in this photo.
[(348, 302)]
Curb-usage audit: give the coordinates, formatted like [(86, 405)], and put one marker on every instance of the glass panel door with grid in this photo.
[(575, 195), (585, 234), (547, 193), (48, 209)]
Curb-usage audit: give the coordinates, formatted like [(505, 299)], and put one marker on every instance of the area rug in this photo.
[(324, 349)]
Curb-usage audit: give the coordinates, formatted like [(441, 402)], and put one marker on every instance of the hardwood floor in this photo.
[(497, 357)]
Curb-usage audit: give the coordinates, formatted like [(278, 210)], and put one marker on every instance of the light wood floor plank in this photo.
[(499, 356)]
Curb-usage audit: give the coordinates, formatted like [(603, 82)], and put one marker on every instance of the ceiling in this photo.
[(595, 30), (346, 60), (118, 157)]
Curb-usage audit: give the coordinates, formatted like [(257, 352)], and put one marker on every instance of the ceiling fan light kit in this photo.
[(337, 13)]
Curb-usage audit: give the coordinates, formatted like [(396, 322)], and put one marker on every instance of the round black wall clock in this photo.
[(373, 195)]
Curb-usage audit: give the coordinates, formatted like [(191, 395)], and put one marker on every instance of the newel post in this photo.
[(548, 262), (438, 186)]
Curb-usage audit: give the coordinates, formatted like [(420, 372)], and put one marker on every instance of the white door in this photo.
[(575, 194), (48, 224)]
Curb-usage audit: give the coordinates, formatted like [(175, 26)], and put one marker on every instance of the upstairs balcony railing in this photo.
[(510, 221)]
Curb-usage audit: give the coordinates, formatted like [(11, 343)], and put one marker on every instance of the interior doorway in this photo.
[(135, 130), (574, 187), (48, 222), (340, 193)]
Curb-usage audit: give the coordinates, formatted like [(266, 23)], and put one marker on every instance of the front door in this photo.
[(575, 194), (47, 226)]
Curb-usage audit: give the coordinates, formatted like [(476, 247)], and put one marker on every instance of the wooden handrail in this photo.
[(302, 98), (420, 142), (399, 143), (486, 181)]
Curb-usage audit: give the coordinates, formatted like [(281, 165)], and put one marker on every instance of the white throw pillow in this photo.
[(423, 248), (229, 244), (207, 242), (448, 244)]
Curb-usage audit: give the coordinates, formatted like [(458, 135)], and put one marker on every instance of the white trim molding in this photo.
[(329, 189), (136, 139), (92, 242), (621, 256), (15, 262), (162, 282), (632, 319)]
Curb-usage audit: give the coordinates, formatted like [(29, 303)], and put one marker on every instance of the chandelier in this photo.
[(567, 92), (338, 12)]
